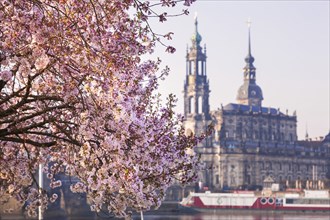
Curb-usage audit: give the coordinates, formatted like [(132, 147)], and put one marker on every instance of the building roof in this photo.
[(232, 107), (326, 138), (309, 143)]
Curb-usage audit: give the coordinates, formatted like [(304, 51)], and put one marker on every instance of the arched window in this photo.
[(217, 177), (191, 105), (200, 68), (247, 134), (256, 136), (200, 105), (191, 67), (270, 166)]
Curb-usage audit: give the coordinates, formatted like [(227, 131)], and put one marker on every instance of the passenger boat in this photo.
[(307, 200)]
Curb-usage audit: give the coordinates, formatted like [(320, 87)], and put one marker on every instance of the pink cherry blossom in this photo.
[(5, 75), (76, 97), (41, 62)]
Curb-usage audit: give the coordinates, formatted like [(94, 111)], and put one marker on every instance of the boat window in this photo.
[(289, 201), (279, 201), (307, 201), (263, 201)]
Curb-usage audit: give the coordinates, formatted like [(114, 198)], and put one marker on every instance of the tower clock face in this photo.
[(253, 92)]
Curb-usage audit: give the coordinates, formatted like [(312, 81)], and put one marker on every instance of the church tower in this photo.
[(196, 87), (249, 93)]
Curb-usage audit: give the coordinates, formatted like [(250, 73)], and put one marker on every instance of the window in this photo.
[(248, 179), (307, 201), (200, 105), (217, 179), (270, 166), (245, 134), (265, 135), (256, 136), (200, 68), (192, 67), (191, 105), (289, 201)]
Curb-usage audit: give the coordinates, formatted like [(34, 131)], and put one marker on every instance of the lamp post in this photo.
[(40, 216)]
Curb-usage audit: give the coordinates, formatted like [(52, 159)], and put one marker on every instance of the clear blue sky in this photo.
[(290, 44)]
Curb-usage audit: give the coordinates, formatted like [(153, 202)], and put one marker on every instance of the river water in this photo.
[(222, 216), (199, 216)]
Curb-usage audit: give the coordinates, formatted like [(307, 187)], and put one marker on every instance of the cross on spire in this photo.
[(196, 38), (196, 23), (249, 22)]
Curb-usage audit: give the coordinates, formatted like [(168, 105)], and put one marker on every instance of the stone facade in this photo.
[(235, 168), (250, 142)]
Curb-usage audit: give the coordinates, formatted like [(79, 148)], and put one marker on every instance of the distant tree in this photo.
[(76, 97)]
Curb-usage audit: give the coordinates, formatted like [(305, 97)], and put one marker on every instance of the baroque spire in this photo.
[(249, 69), (249, 93)]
